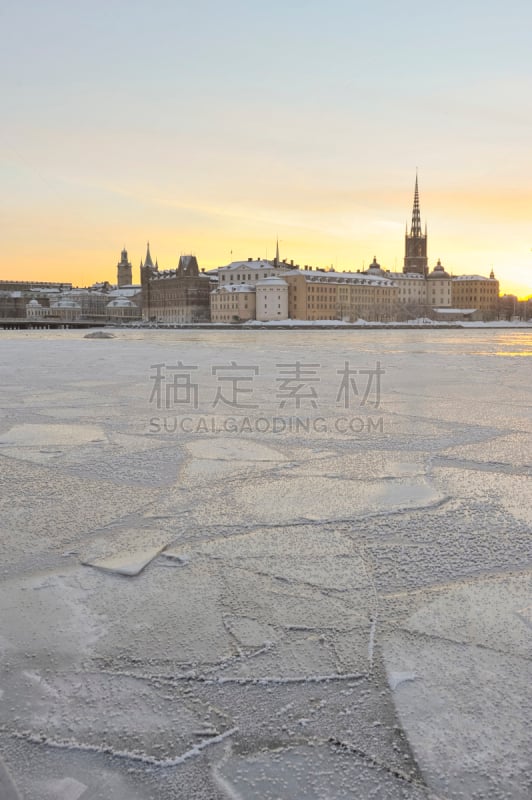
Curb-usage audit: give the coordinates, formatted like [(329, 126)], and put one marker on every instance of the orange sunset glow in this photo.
[(220, 148)]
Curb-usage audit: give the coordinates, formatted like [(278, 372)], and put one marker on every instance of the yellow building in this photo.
[(233, 303), (311, 298), (476, 293), (349, 296)]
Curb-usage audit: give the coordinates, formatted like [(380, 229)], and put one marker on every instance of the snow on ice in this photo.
[(349, 612)]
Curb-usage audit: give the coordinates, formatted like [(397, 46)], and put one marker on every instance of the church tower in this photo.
[(124, 272), (416, 242)]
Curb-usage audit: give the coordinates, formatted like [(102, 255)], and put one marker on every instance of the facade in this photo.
[(310, 295), (83, 304), (34, 310), (272, 299), (13, 305), (234, 303), (477, 293), (121, 309), (439, 287), (65, 310), (368, 297), (411, 294), (304, 294), (252, 270), (14, 301), (418, 296), (92, 302), (349, 296), (179, 295), (34, 287)]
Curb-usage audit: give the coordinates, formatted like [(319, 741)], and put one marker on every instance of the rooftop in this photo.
[(473, 278)]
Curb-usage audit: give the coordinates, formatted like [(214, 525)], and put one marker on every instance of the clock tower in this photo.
[(124, 274)]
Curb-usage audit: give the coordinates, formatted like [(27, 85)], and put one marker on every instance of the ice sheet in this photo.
[(348, 611), (125, 562)]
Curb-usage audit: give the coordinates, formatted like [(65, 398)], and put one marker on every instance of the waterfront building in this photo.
[(439, 293), (233, 303), (272, 299), (65, 310), (179, 295), (253, 270), (417, 295), (36, 310), (122, 309), (91, 301), (34, 287), (477, 293), (13, 304), (349, 296)]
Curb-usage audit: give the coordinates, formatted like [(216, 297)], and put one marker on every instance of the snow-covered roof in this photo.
[(65, 304), (235, 287), (76, 293), (401, 276), (124, 291), (120, 302), (320, 276), (472, 278), (455, 310), (260, 263), (273, 280)]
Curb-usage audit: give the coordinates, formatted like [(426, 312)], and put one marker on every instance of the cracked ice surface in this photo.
[(285, 615)]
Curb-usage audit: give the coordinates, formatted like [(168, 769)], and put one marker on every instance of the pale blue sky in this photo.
[(213, 126)]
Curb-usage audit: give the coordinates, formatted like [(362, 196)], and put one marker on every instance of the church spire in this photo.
[(416, 216), (148, 261), (416, 241), (277, 253)]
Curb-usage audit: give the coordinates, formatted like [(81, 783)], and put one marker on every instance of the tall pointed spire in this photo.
[(147, 261), (277, 262), (415, 230), (416, 241)]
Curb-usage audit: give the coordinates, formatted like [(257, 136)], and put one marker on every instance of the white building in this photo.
[(417, 294), (34, 310), (439, 294), (122, 309), (67, 310), (411, 288), (251, 271), (272, 299)]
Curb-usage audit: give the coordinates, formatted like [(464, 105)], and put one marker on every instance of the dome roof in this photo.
[(375, 268), (272, 281), (438, 271), (120, 302)]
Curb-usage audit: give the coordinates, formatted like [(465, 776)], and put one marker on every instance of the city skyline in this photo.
[(214, 130)]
